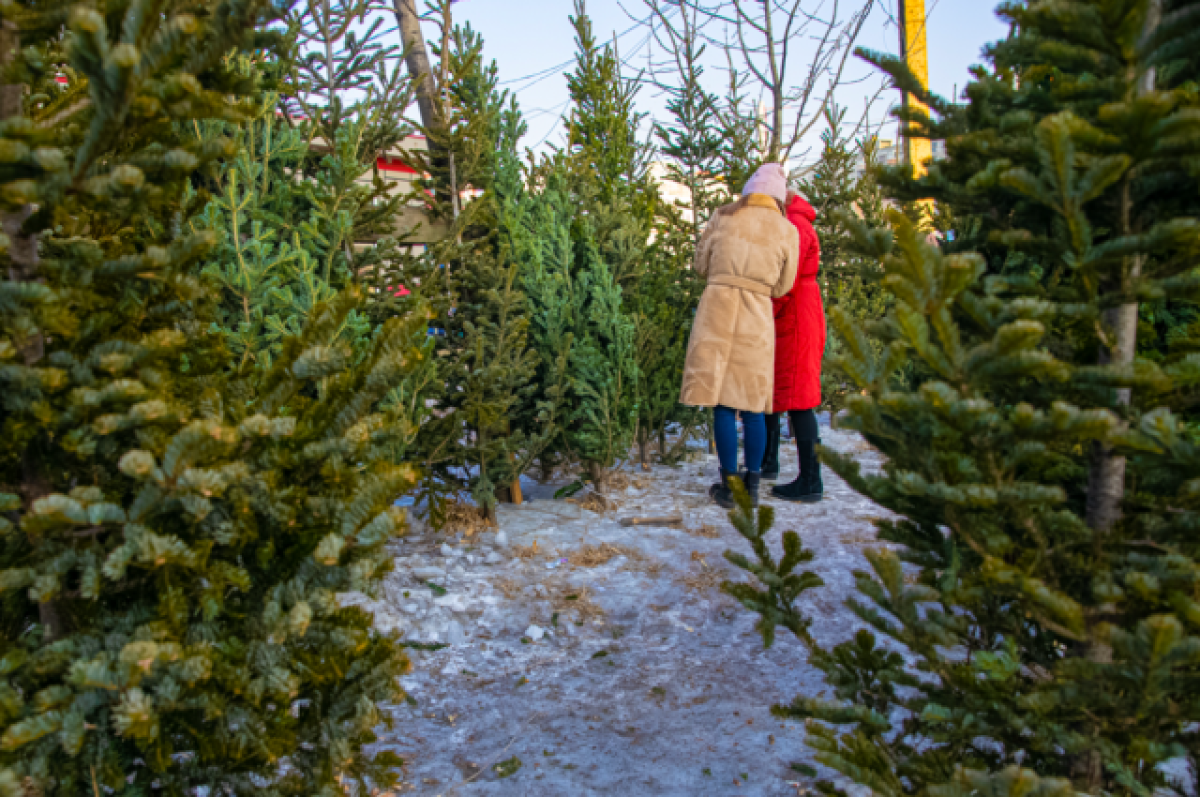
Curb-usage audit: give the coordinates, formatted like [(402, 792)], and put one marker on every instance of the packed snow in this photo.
[(584, 657)]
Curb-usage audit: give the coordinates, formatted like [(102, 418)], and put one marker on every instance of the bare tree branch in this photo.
[(769, 35), (850, 34)]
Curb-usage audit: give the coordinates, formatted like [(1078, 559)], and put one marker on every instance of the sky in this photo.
[(527, 37)]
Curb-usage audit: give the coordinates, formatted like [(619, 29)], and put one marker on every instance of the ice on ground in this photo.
[(589, 658)]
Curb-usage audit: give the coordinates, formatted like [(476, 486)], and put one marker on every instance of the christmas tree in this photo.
[(740, 153), (175, 534), (603, 363), (663, 308), (580, 328), (1036, 627), (614, 205), (293, 206), (548, 283), (602, 124), (691, 139), (273, 271), (493, 431)]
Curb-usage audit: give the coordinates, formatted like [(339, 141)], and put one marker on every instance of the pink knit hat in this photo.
[(770, 179)]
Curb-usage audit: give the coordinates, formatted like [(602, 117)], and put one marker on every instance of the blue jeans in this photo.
[(725, 432)]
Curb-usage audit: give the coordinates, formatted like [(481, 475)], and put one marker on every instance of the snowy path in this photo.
[(640, 677)]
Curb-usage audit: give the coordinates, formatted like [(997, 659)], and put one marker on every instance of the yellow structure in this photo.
[(916, 54)]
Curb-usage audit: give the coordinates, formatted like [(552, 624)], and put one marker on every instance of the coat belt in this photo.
[(730, 281)]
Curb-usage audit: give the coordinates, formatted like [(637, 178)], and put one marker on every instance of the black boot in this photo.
[(812, 471), (721, 492), (770, 465), (808, 488), (752, 482)]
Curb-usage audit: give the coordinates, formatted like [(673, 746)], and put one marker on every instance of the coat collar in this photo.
[(761, 201)]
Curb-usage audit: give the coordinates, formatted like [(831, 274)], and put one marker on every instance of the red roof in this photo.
[(387, 165)]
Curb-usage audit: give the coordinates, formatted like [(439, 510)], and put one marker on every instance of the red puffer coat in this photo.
[(800, 322)]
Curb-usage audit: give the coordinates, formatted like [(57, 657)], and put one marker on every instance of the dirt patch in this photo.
[(575, 602), (706, 577), (702, 580), (594, 502), (510, 588), (704, 530), (651, 567), (528, 552), (617, 482), (596, 555), (464, 518), (605, 552)]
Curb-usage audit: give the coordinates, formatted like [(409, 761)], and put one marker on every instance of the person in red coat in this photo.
[(799, 348)]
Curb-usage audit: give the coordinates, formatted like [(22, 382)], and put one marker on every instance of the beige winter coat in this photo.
[(749, 254)]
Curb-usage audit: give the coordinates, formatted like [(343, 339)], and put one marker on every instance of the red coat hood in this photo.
[(799, 207)]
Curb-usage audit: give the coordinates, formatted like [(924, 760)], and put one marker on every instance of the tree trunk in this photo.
[(416, 56), (1106, 489), (599, 476), (515, 495), (1106, 476)]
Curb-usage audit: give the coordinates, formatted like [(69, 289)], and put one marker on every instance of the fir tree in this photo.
[(739, 154), (667, 292), (603, 362), (347, 86), (292, 209), (174, 536), (548, 284), (602, 125), (663, 309), (277, 253), (524, 426), (492, 428), (614, 204), (348, 71), (497, 427), (581, 330), (692, 141), (1044, 583)]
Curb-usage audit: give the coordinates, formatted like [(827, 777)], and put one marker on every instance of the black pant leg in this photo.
[(804, 424), (771, 457)]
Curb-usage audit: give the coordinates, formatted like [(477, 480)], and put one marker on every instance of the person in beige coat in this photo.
[(748, 254)]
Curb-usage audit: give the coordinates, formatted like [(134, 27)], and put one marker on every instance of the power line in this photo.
[(545, 73), (554, 126), (559, 109)]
